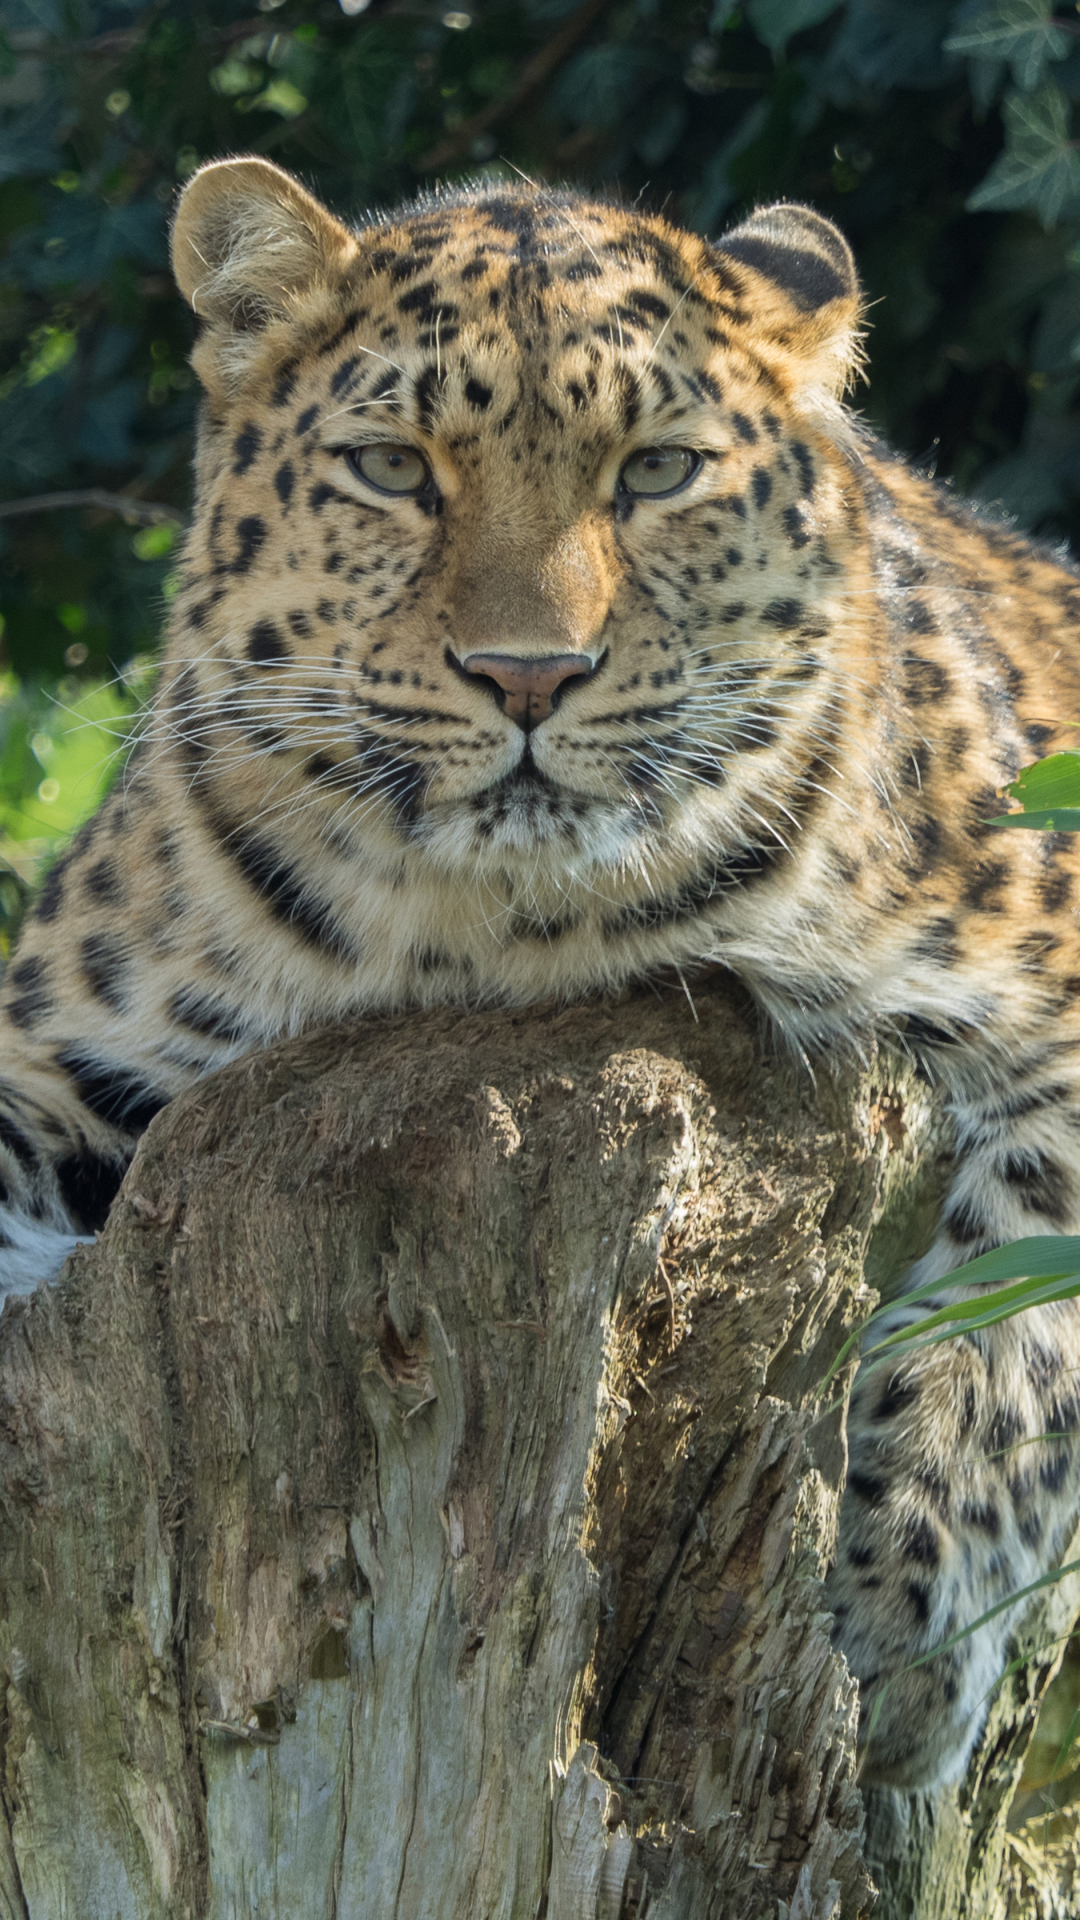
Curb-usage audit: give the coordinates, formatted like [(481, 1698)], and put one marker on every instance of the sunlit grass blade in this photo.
[(927, 1333), (1045, 1261)]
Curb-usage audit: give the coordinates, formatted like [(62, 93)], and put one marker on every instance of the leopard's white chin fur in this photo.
[(539, 831)]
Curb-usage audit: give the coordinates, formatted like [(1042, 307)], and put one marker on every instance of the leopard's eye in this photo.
[(389, 467), (655, 471)]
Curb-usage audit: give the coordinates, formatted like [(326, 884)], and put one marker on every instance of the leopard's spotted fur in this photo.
[(809, 671)]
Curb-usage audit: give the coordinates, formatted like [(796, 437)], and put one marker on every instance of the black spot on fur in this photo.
[(761, 486), (246, 447), (745, 428), (478, 395), (920, 1033), (937, 1491), (697, 891), (1031, 1530), (920, 1600), (966, 1224), (343, 375), (795, 526), (284, 481), (112, 1094), (983, 885), (918, 617), (924, 679), (865, 1486), (982, 1515), (427, 394), (970, 1411), (18, 1144), (106, 968), (51, 897), (33, 1001), (810, 279), (784, 615), (89, 1183), (630, 390), (1005, 1429), (250, 537), (921, 1544), (936, 942), (937, 939), (1064, 1415), (342, 331), (265, 645), (897, 1395), (284, 383), (804, 460), (423, 301), (1043, 1186), (190, 1009), (278, 883), (1054, 890), (1054, 1472), (103, 882)]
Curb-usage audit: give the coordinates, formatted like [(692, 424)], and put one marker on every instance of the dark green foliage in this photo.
[(940, 136)]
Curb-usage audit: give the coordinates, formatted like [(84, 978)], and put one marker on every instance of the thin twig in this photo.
[(533, 74), (149, 513)]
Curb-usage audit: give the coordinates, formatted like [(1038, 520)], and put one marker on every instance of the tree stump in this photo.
[(415, 1503)]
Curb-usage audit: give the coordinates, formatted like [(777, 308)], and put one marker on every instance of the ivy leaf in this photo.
[(1040, 167), (774, 21), (1020, 31)]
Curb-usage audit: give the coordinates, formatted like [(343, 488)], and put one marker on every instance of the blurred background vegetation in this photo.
[(940, 135)]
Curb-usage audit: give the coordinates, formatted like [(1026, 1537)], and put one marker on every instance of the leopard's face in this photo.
[(514, 544)]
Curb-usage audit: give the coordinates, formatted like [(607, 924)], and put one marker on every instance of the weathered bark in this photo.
[(415, 1502)]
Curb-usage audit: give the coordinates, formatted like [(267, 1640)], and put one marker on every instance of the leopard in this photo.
[(550, 621)]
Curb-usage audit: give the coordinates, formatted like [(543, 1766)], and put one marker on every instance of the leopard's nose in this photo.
[(527, 689)]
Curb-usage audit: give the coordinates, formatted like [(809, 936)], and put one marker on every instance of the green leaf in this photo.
[(1053, 782), (151, 542), (774, 21), (1039, 168), (1061, 820), (1020, 31), (282, 97), (1050, 792)]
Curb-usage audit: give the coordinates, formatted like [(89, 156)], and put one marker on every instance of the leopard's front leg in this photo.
[(964, 1476), (955, 1500)]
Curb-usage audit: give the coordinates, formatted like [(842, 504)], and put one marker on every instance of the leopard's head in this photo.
[(520, 517)]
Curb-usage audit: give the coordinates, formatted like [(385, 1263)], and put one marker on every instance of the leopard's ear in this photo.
[(248, 243), (798, 295)]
